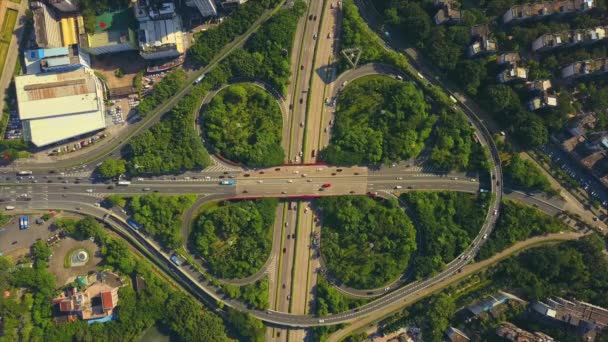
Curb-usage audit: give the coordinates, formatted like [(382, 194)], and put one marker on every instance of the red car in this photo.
[(326, 185)]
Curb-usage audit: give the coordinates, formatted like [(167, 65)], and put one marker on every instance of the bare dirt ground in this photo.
[(63, 247), (129, 62)]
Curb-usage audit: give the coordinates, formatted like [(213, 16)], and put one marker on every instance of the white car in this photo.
[(290, 181), (89, 190)]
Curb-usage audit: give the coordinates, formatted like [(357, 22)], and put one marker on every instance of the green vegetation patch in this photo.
[(136, 311), (161, 216), (331, 301), (163, 90), (365, 243), (234, 237), (378, 120), (172, 145), (518, 222), (446, 223), (243, 123), (256, 294), (111, 168), (8, 24), (209, 43), (524, 174)]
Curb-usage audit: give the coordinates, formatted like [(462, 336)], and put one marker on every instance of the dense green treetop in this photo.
[(365, 243), (235, 237), (331, 300), (518, 222), (161, 216), (525, 174), (243, 123), (378, 120), (446, 223), (111, 168), (163, 90), (172, 145)]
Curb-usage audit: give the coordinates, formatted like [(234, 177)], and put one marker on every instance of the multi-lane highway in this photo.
[(52, 190)]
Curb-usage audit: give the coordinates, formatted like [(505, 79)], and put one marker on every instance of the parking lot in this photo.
[(16, 242), (13, 128)]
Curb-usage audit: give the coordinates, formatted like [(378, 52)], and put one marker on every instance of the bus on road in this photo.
[(124, 182)]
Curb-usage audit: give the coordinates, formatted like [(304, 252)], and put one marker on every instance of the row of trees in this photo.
[(163, 90), (162, 303), (235, 238), (243, 123), (446, 223), (256, 294), (518, 222), (161, 216), (366, 243), (209, 43), (379, 120), (172, 145), (331, 301)]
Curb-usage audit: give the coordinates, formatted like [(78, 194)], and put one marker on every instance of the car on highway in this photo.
[(290, 181), (89, 190), (326, 185)]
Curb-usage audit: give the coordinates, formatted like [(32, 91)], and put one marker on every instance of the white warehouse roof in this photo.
[(59, 106)]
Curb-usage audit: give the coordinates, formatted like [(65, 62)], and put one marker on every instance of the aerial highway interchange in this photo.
[(70, 185)]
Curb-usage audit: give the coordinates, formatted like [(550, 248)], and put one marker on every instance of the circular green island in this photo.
[(365, 243), (243, 123), (235, 237), (378, 119)]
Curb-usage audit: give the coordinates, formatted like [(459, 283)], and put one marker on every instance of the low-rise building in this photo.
[(96, 302), (513, 333), (539, 86), (508, 58), (230, 4), (456, 335), (542, 101), (487, 304), (591, 67), (205, 7), (587, 318), (112, 34), (482, 44), (448, 12), (550, 41), (55, 60), (57, 106), (47, 25), (513, 74), (64, 5), (540, 10), (160, 31)]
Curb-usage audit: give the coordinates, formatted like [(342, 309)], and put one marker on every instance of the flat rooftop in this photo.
[(52, 94)]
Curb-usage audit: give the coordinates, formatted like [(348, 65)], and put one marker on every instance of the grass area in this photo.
[(3, 55), (8, 24)]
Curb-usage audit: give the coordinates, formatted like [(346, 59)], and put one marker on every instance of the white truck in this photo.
[(9, 207)]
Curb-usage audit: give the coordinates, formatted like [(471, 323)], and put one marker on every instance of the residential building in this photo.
[(448, 13), (539, 86), (488, 303), (455, 335), (65, 5), (513, 333), (46, 26), (57, 106), (205, 7), (587, 318), (160, 31), (482, 43), (55, 59), (508, 58), (540, 10), (97, 301), (543, 101), (551, 41), (112, 34), (513, 74), (591, 67), (229, 4)]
